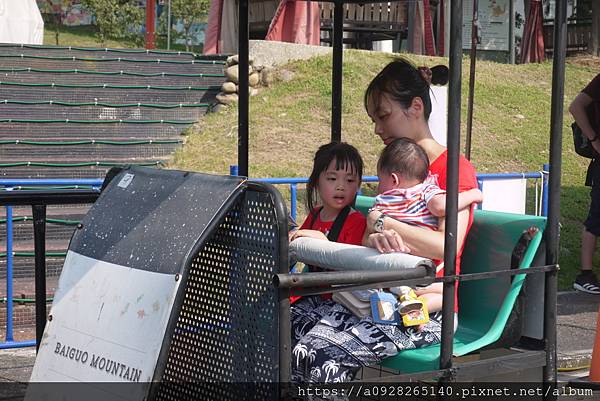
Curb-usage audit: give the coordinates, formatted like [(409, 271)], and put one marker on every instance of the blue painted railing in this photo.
[(293, 183), (13, 185), (18, 184)]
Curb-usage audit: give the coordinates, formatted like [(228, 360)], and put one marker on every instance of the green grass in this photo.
[(85, 36), (289, 120), (79, 36)]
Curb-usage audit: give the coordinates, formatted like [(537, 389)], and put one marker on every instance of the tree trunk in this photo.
[(188, 37), (57, 24)]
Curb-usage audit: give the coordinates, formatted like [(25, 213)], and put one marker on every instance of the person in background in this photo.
[(585, 108)]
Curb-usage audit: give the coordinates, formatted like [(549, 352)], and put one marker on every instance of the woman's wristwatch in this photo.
[(379, 223)]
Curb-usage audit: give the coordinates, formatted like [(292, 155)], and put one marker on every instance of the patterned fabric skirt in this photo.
[(331, 344)]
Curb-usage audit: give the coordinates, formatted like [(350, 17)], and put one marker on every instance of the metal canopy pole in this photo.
[(169, 26), (473, 58), (511, 31), (336, 73), (243, 37), (552, 230), (454, 104), (150, 23)]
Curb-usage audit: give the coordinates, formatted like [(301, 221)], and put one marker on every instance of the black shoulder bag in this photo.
[(583, 146)]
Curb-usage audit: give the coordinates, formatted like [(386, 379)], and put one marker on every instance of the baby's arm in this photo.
[(432, 294), (437, 203)]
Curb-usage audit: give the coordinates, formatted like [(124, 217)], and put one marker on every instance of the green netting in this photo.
[(89, 142), (100, 49), (36, 188), (103, 104), (127, 73), (81, 164), (126, 60), (48, 220), (21, 120), (135, 74), (32, 254), (91, 72), (109, 86), (24, 300)]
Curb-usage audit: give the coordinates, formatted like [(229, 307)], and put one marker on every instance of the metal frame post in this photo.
[(450, 245), (9, 274), (39, 246), (473, 58), (293, 201), (511, 31), (552, 231), (150, 23), (336, 72), (169, 25), (546, 169), (243, 92)]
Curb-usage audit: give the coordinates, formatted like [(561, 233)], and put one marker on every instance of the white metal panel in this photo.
[(505, 195), (108, 323)]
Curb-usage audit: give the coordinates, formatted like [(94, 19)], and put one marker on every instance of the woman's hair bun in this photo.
[(439, 75)]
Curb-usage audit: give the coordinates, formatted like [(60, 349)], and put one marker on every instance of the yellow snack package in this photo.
[(414, 312)]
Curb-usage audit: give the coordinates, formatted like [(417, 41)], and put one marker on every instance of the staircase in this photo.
[(70, 112)]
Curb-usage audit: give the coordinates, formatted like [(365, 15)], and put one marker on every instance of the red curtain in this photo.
[(428, 30), (532, 45), (213, 30), (296, 21)]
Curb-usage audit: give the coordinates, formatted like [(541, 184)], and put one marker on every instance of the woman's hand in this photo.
[(309, 234), (387, 241)]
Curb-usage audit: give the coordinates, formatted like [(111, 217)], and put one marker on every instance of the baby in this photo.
[(408, 193)]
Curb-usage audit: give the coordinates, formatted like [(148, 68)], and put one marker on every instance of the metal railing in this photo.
[(38, 193), (540, 201)]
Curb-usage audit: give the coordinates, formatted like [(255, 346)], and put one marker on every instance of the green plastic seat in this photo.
[(484, 305)]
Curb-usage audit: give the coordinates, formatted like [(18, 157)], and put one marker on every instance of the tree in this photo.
[(120, 19), (58, 9), (188, 13)]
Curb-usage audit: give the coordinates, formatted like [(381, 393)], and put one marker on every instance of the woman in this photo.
[(398, 102)]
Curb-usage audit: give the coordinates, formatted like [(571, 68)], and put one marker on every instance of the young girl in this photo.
[(331, 189)]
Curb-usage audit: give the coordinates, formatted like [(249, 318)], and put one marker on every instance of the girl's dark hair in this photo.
[(346, 157), (404, 157), (402, 81)]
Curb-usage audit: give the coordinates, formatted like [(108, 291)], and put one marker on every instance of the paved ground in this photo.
[(576, 328), (577, 315)]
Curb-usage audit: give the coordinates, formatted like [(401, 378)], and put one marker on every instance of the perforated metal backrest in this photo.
[(227, 329)]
